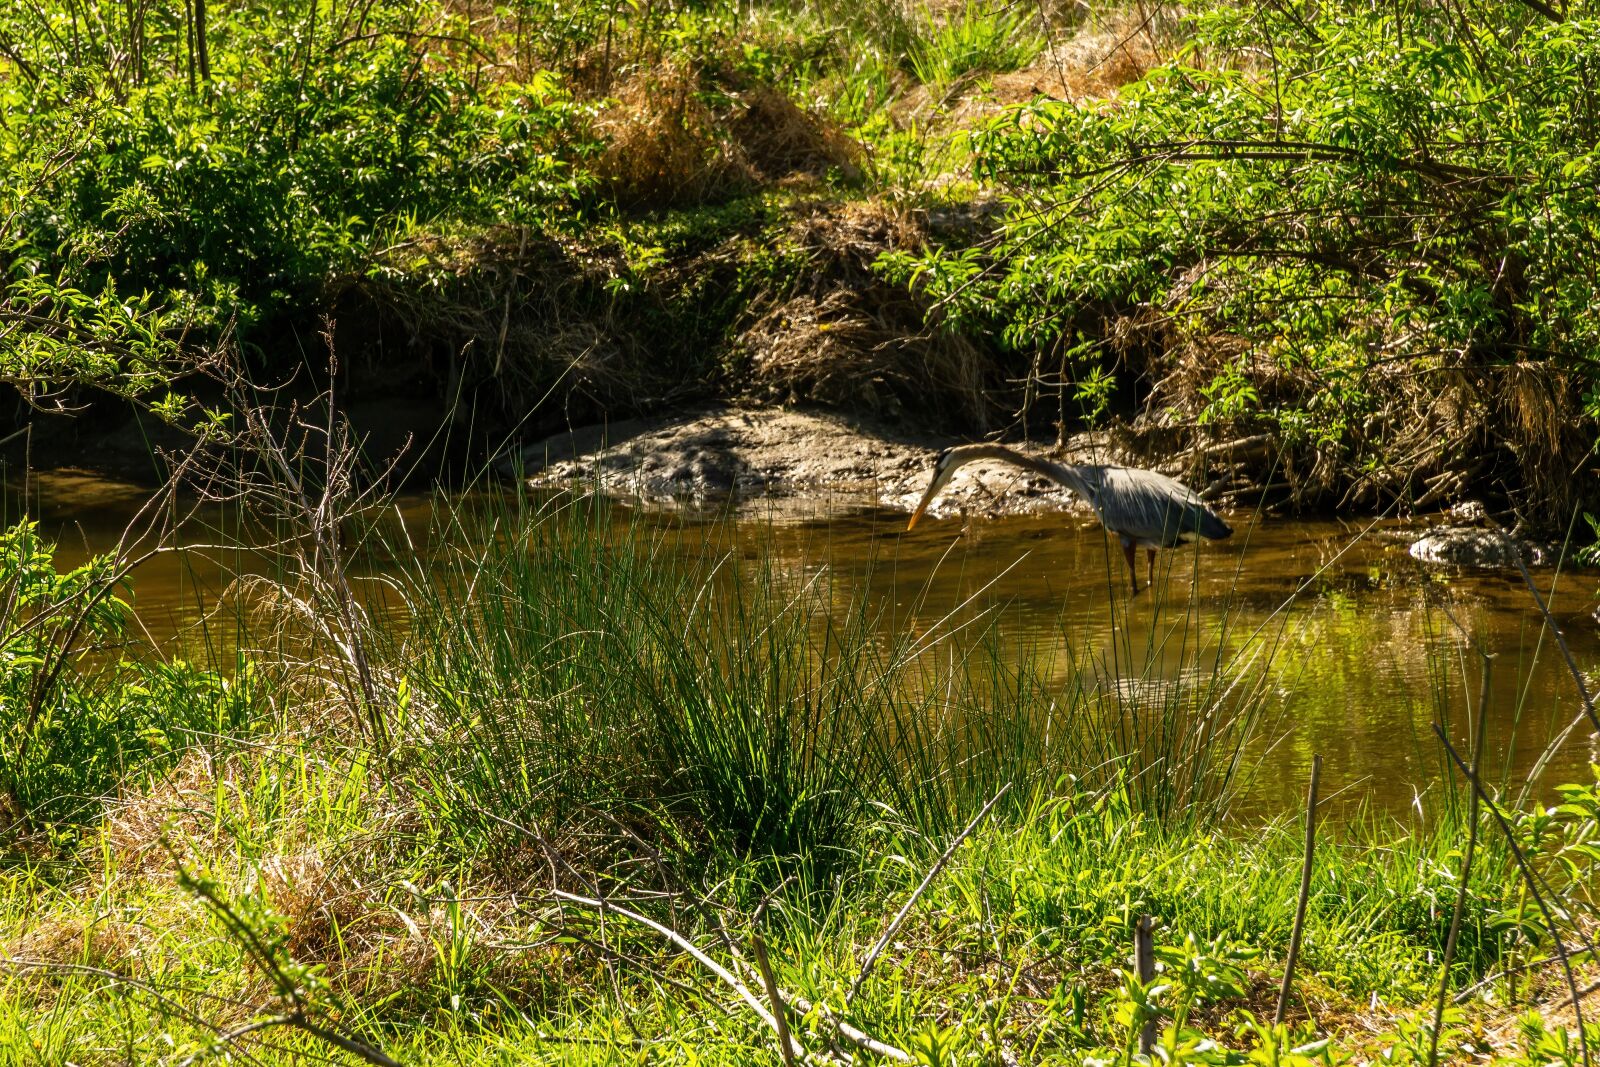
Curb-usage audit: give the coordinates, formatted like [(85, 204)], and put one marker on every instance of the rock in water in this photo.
[(1472, 546)]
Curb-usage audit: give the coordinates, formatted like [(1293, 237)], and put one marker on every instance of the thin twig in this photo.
[(1533, 888), (855, 1036), (933, 872), (1466, 871), (786, 1045), (1305, 892), (230, 1036), (356, 1048), (728, 977)]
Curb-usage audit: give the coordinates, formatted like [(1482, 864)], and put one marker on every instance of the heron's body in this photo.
[(1143, 508)]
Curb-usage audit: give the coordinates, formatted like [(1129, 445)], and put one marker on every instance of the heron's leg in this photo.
[(1150, 556), (1133, 572)]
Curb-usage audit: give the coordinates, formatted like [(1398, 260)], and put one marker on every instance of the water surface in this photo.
[(1368, 648)]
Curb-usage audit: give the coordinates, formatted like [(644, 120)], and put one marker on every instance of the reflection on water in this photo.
[(1365, 655)]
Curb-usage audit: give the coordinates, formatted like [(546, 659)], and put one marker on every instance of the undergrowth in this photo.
[(591, 732), (1354, 240)]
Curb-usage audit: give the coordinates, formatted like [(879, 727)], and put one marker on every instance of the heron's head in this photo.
[(944, 465)]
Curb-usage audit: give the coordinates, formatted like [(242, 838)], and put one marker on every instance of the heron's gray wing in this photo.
[(1153, 508)]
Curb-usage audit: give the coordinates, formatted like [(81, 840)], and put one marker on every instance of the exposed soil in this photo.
[(760, 456)]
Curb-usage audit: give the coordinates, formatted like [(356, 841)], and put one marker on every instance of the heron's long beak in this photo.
[(927, 498)]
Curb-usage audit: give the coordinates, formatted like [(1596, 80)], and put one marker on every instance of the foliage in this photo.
[(973, 39), (245, 196), (76, 722), (772, 719), (1389, 204), (1378, 233), (581, 707), (1589, 555)]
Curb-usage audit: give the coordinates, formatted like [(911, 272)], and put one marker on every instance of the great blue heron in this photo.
[(1141, 507)]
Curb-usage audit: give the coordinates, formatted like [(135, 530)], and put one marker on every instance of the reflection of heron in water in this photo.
[(1141, 507)]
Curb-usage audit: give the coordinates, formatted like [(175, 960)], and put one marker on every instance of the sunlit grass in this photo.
[(578, 704)]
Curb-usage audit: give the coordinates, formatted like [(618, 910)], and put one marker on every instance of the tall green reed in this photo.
[(570, 656)]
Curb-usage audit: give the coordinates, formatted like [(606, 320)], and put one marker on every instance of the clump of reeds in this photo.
[(756, 712)]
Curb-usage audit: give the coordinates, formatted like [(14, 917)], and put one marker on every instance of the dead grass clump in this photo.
[(834, 351), (1104, 55), (1541, 415), (321, 907), (780, 139), (381, 943), (78, 941), (664, 145), (1093, 61), (178, 808), (856, 342)]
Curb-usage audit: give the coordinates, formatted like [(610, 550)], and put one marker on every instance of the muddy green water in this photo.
[(1365, 657)]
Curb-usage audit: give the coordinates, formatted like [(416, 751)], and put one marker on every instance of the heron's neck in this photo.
[(1061, 473)]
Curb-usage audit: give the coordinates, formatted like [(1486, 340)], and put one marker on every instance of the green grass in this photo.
[(975, 38), (581, 704), (773, 714)]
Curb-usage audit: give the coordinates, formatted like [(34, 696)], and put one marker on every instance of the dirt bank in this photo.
[(787, 463), (763, 456)]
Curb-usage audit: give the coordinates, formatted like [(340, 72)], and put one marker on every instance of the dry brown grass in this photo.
[(374, 939), (1089, 62), (77, 940), (664, 146), (851, 340), (782, 140), (179, 808)]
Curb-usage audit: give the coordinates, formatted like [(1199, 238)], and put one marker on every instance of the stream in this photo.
[(1367, 647)]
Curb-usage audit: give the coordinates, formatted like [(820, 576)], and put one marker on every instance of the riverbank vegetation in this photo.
[(1354, 246), (567, 796), (520, 782)]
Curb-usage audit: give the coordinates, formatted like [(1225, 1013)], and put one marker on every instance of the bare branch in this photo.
[(933, 872)]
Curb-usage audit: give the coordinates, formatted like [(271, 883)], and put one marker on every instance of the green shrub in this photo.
[(246, 199), (77, 721), (1376, 243)]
